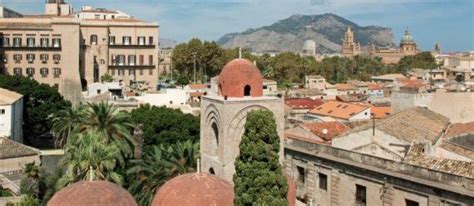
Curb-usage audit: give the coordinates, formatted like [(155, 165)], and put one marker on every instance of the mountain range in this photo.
[(289, 34)]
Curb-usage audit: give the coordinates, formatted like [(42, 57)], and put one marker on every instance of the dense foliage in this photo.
[(158, 165), (40, 102), (163, 125), (259, 178), (97, 139), (289, 67)]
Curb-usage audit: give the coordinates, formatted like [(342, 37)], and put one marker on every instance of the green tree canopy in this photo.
[(163, 125), (259, 178), (40, 101)]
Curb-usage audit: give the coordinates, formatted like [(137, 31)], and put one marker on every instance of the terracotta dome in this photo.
[(92, 193), (239, 78), (195, 189)]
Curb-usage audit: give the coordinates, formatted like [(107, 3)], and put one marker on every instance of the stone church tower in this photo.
[(223, 115), (349, 47), (408, 45)]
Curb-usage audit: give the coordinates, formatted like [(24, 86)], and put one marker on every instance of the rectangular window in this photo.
[(141, 72), (17, 71), (121, 60), (30, 58), (111, 40), (301, 176), (150, 72), (44, 58), (17, 58), (2, 111), (323, 181), (97, 16), (131, 60), (112, 71), (141, 40), (361, 195), (6, 41), (4, 58), (56, 58), (30, 41), (44, 72), (56, 42), (17, 42), (411, 203), (30, 71), (44, 42), (93, 39), (56, 72), (140, 60), (150, 40), (126, 40), (150, 60)]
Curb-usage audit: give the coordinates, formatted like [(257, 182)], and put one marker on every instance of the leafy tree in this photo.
[(65, 122), (259, 178), (106, 78), (182, 81), (166, 126), (159, 164), (27, 200), (40, 101), (30, 184), (423, 60)]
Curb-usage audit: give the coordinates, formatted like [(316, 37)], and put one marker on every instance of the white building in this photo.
[(87, 12), (11, 114)]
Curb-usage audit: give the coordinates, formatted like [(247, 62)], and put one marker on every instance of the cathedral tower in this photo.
[(349, 47), (408, 45), (223, 115)]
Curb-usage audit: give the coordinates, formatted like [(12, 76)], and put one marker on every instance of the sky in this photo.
[(449, 22)]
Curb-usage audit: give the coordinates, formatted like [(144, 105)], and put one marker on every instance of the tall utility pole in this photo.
[(194, 66)]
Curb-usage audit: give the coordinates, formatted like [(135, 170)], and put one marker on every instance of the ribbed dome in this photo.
[(92, 193), (195, 189), (407, 38), (239, 78)]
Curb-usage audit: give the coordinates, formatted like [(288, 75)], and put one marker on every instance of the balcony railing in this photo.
[(29, 48), (151, 46), (132, 66)]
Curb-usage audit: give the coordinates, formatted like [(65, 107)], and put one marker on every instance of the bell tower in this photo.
[(223, 115)]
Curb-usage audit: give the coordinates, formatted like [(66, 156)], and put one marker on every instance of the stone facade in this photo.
[(331, 176), (222, 126), (349, 46)]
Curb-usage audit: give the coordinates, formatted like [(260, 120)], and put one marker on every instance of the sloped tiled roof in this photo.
[(197, 86), (339, 110), (327, 130), (416, 123), (303, 103), (8, 97), (345, 87), (380, 112), (416, 156), (459, 129), (12, 149)]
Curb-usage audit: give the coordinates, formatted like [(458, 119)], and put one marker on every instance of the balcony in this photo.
[(30, 48), (131, 66), (132, 46)]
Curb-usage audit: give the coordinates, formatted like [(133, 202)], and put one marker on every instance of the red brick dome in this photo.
[(239, 78), (92, 193), (195, 189)]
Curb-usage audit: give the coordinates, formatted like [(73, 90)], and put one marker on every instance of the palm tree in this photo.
[(160, 164), (65, 122), (88, 157)]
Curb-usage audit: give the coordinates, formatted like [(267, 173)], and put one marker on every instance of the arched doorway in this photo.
[(247, 90)]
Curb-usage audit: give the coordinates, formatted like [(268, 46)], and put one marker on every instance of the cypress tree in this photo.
[(259, 178)]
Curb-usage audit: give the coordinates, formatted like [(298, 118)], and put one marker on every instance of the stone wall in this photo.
[(387, 182), (16, 164), (457, 106)]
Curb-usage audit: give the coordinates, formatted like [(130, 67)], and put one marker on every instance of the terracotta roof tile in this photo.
[(197, 86), (339, 110), (303, 103), (374, 87), (345, 87), (326, 130), (416, 156), (380, 112), (459, 129)]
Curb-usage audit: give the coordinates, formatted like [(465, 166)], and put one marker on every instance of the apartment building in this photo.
[(70, 50)]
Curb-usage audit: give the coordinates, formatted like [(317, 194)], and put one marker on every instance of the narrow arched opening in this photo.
[(247, 90), (211, 171)]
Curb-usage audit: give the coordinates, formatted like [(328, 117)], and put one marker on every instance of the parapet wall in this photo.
[(457, 106), (446, 181)]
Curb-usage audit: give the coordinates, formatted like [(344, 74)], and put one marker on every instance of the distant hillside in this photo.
[(289, 34)]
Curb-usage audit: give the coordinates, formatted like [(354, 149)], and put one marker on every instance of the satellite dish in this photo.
[(325, 131)]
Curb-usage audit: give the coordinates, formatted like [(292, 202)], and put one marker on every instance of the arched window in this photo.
[(215, 129), (247, 90), (211, 170)]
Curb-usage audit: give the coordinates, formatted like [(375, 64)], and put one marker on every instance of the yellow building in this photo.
[(70, 50)]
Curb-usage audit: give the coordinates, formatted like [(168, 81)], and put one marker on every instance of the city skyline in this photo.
[(209, 20)]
